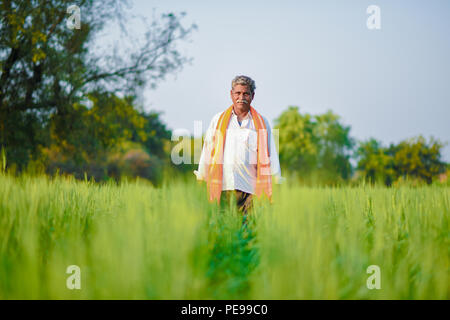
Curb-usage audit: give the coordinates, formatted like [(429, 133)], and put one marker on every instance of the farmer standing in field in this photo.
[(239, 154)]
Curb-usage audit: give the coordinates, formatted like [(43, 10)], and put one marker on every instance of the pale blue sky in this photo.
[(389, 84)]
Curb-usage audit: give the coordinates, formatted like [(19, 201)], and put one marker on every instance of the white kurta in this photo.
[(240, 154)]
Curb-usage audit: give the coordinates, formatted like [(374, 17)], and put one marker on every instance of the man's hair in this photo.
[(244, 81)]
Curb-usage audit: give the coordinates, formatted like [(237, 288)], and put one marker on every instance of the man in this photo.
[(239, 155)]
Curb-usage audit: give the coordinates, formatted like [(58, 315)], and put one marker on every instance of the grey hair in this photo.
[(244, 81)]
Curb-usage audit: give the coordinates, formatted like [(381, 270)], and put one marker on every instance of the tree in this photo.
[(410, 158), (110, 121), (155, 136), (375, 162), (298, 145), (47, 68), (418, 159), (110, 138), (335, 145), (317, 145)]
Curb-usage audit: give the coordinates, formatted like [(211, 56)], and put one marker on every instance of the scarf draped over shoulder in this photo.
[(214, 163)]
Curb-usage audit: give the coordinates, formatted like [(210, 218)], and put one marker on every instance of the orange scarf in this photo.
[(214, 167)]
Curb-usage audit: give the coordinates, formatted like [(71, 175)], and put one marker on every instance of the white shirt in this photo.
[(240, 154)]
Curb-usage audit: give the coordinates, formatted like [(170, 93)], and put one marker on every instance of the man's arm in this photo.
[(275, 168), (200, 173)]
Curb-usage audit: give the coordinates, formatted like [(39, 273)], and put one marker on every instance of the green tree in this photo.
[(111, 137), (110, 121), (47, 69), (414, 158), (335, 146), (154, 135), (375, 163), (298, 145), (315, 147), (418, 159)]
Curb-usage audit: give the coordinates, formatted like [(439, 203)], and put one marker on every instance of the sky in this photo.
[(390, 83)]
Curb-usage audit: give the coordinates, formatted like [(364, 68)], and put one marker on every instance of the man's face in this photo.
[(241, 96)]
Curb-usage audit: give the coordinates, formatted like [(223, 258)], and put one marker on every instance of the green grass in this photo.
[(134, 241)]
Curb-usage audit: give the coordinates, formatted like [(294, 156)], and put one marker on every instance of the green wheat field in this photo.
[(133, 241)]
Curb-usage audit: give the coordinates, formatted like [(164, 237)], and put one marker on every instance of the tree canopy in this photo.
[(48, 71), (74, 109), (318, 144)]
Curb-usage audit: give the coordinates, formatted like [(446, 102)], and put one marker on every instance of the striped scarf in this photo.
[(214, 167)]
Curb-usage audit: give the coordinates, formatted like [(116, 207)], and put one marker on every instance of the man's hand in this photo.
[(199, 175), (278, 179)]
